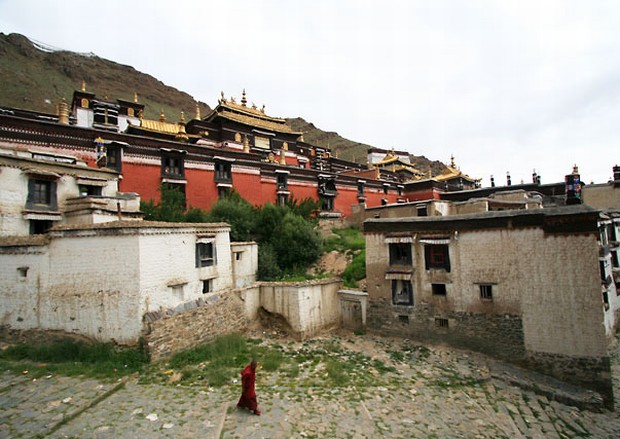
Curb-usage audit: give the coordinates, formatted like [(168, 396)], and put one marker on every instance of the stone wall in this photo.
[(194, 323)]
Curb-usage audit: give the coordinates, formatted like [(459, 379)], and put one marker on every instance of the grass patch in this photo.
[(72, 357), (355, 271), (349, 238)]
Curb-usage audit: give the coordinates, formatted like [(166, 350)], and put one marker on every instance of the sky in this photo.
[(503, 86)]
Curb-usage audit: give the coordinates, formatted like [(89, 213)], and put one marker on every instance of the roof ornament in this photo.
[(162, 116), (233, 100), (452, 165), (575, 169), (244, 101), (197, 116), (254, 106), (83, 85), (222, 99), (63, 112), (181, 134), (262, 110), (135, 97), (246, 143)]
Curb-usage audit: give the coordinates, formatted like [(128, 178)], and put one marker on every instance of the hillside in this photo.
[(35, 77)]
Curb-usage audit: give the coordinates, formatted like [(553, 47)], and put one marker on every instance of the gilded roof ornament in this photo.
[(233, 100), (83, 85), (197, 116), (162, 116), (222, 99), (452, 165), (63, 112), (254, 106), (244, 101), (262, 110), (135, 97)]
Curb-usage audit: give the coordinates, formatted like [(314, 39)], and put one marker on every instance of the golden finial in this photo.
[(244, 101), (262, 110), (452, 165), (83, 85), (282, 157), (222, 99), (197, 116), (135, 97), (162, 116), (181, 134), (63, 112), (246, 143), (253, 106)]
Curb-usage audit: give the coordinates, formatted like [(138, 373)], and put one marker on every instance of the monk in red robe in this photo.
[(248, 393)]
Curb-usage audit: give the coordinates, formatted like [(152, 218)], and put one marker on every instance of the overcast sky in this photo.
[(502, 85)]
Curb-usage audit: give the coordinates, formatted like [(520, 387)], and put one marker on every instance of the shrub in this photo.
[(237, 212), (355, 271), (296, 243), (268, 268)]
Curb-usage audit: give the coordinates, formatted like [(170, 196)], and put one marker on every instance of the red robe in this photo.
[(248, 394)]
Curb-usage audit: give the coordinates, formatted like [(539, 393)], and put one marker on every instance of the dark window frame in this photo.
[(486, 292), (439, 289), (42, 194), (400, 289), (437, 256), (222, 171), (401, 253), (172, 166), (205, 254)]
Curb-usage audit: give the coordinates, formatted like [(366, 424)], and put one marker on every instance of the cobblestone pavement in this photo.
[(446, 394)]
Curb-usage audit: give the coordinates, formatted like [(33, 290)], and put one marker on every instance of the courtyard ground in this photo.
[(400, 389)]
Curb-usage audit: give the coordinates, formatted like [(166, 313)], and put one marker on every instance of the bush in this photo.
[(355, 271), (268, 268), (237, 212), (296, 243)]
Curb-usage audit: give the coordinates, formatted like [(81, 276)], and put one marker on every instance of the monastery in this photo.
[(528, 273)]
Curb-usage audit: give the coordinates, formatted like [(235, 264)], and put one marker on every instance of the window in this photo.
[(441, 323), (400, 254), (41, 194), (282, 199), (223, 173), (422, 210), (386, 187), (402, 292), (113, 157), (206, 286), (437, 256), (403, 319), (262, 142), (281, 181), (327, 204), (172, 166), (87, 190), (439, 289), (178, 290), (38, 227), (399, 190), (238, 256), (360, 188), (486, 292), (205, 254)]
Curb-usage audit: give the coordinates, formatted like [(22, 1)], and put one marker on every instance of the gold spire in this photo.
[(63, 112), (197, 116), (282, 157), (83, 85), (162, 116), (452, 165), (246, 143), (135, 97), (181, 134), (222, 99), (244, 101)]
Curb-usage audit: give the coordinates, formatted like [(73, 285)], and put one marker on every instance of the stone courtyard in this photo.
[(422, 392)]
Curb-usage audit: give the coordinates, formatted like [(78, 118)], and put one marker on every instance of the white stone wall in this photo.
[(12, 201), (308, 307), (244, 263)]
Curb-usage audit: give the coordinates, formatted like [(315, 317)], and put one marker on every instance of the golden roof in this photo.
[(253, 116), (453, 172), (158, 126)]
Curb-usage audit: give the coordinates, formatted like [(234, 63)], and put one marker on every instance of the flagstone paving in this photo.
[(444, 393)]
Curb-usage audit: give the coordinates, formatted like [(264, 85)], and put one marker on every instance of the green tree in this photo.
[(296, 243), (237, 212)]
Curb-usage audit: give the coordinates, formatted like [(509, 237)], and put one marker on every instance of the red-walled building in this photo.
[(236, 146)]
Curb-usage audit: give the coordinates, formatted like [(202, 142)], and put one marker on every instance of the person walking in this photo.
[(248, 391)]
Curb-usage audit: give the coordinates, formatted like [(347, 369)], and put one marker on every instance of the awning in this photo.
[(399, 239), (398, 275), (438, 241), (92, 181)]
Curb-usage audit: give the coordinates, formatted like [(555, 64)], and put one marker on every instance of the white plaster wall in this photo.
[(94, 288), (19, 295), (12, 201), (168, 259), (84, 117), (244, 263)]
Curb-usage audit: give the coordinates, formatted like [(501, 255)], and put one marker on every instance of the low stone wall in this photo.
[(193, 324), (497, 335), (308, 307)]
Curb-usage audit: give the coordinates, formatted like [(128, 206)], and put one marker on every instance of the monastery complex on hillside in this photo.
[(529, 273)]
